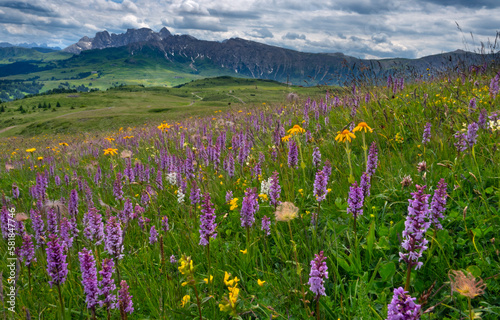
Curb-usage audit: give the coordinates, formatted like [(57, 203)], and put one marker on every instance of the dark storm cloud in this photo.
[(30, 8), (467, 3), (200, 23), (261, 33), (246, 15), (294, 36)]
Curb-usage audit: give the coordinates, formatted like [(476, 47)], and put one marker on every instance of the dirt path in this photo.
[(236, 98), (5, 129), (197, 96)]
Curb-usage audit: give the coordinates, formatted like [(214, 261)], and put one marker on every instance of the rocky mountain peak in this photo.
[(104, 40)]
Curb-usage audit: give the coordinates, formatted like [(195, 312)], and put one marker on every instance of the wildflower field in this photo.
[(367, 203)]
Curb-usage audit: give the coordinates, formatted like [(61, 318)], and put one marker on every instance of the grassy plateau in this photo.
[(221, 199)]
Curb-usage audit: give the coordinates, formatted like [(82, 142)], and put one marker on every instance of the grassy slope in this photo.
[(136, 105)]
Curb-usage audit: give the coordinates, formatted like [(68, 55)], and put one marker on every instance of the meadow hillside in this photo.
[(129, 106), (362, 203)]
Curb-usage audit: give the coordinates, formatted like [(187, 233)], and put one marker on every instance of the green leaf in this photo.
[(370, 240), (474, 270), (387, 271)]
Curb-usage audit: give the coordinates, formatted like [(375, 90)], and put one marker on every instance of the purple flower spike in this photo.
[(229, 196), (125, 299), (107, 284), (365, 184), (472, 134), (94, 227), (274, 190), (153, 235), (266, 223), (38, 226), (372, 162), (426, 137), (320, 183), (113, 241), (73, 203), (56, 261), (207, 221), (438, 204), (318, 274), (249, 206), (403, 306), (316, 157), (89, 277), (355, 200), (164, 223), (414, 241), (293, 154), (27, 250)]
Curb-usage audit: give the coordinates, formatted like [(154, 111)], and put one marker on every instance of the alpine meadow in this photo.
[(152, 175)]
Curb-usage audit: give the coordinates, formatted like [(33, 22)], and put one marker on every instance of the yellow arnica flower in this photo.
[(63, 144), (40, 158), (260, 282), (31, 150), (361, 126), (110, 139), (244, 251), (185, 300), (164, 127), (285, 138), (295, 130), (110, 151), (346, 134)]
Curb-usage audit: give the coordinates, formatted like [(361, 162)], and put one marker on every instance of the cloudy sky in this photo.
[(361, 28)]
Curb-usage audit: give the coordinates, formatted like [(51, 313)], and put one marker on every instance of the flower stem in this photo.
[(471, 313), (408, 275), (63, 315)]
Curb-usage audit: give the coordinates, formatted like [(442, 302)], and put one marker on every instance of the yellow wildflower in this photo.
[(211, 279), (109, 139), (260, 282), (63, 144), (40, 158), (342, 136), (244, 251), (164, 127), (31, 150), (285, 138), (186, 267), (185, 300), (110, 151), (361, 126), (263, 197), (295, 130), (233, 203)]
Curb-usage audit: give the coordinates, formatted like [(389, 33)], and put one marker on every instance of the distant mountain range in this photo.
[(253, 59), (32, 45), (143, 56)]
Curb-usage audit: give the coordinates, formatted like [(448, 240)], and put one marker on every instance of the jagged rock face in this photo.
[(105, 40)]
